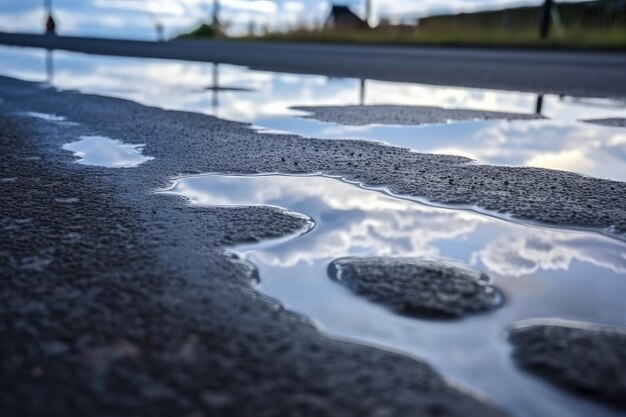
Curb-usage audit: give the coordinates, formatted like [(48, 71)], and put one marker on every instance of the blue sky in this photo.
[(135, 18)]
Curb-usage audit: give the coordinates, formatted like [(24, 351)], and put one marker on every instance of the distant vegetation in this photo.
[(204, 31), (604, 39), (591, 24)]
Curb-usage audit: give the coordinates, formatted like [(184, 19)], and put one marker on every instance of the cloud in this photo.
[(94, 17), (161, 7), (354, 220), (294, 6), (529, 250)]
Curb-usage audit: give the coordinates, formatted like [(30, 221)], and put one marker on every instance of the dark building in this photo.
[(342, 18)]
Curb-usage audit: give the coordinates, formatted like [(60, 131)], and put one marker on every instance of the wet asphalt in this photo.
[(121, 302), (403, 115)]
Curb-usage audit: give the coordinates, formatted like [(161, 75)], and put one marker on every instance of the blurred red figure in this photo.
[(50, 25)]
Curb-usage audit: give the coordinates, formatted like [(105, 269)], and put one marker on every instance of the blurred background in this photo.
[(596, 23)]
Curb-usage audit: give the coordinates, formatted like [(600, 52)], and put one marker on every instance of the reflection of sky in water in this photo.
[(45, 116), (543, 273), (588, 149), (48, 117), (105, 152), (560, 143)]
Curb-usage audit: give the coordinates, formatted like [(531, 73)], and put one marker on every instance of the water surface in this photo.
[(543, 272), (106, 152), (264, 99)]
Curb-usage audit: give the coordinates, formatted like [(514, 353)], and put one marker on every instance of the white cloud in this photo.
[(294, 7), (95, 16), (529, 250), (157, 7)]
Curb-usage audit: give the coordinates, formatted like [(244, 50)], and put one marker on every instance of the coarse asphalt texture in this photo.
[(118, 301), (418, 287), (585, 358), (402, 115), (121, 302)]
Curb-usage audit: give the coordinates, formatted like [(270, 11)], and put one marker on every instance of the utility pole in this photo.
[(368, 12), (539, 105), (544, 24), (216, 13), (362, 92), (49, 67), (50, 23)]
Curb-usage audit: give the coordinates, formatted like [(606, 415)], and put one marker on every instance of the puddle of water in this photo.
[(106, 152), (543, 272), (67, 200), (45, 116), (598, 151), (50, 117), (521, 325), (265, 99)]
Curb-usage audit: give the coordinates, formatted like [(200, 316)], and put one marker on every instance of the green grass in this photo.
[(612, 39), (204, 31)]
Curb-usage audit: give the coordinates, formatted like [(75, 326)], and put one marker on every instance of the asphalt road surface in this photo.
[(117, 301), (120, 302), (583, 74)]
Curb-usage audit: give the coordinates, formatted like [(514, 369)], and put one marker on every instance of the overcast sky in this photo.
[(136, 18)]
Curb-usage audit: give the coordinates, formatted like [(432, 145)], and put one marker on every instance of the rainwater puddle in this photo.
[(265, 100), (597, 151), (106, 152), (49, 117), (543, 273), (45, 116)]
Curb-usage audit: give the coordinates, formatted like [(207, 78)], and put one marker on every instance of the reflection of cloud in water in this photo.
[(561, 143), (575, 160), (530, 250), (174, 84), (571, 146), (554, 107), (406, 233), (102, 151), (348, 219), (598, 151), (353, 221)]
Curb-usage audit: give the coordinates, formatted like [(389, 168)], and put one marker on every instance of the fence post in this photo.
[(544, 24)]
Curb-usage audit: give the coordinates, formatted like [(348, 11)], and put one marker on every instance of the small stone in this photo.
[(215, 399), (37, 372), (418, 287), (403, 115), (581, 357), (116, 350), (190, 350)]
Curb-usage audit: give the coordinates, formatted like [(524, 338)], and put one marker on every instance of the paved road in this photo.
[(118, 301), (589, 74)]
